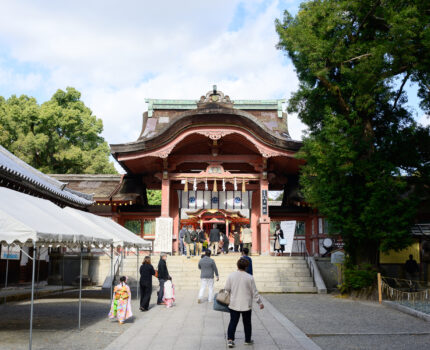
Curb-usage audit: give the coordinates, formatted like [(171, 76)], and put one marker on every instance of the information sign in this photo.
[(289, 228)]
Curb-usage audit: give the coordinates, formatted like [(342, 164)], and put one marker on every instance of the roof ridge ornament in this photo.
[(215, 99)]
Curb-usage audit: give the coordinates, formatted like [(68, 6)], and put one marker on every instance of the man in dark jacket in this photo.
[(208, 268), (245, 252), (214, 239), (181, 240), (163, 273), (194, 239), (200, 240), (188, 243)]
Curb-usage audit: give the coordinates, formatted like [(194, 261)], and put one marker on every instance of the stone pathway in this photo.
[(190, 325), (342, 324)]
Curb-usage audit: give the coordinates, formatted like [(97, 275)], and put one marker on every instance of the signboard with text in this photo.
[(288, 228), (13, 253), (264, 203)]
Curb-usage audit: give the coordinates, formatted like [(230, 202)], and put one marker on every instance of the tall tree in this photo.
[(364, 152), (60, 136)]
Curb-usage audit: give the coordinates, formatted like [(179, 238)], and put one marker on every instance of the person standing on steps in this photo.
[(146, 273), (247, 237), (245, 253), (194, 239), (187, 242), (243, 291), (181, 240), (277, 246), (200, 240), (163, 275), (208, 270), (236, 237), (214, 239)]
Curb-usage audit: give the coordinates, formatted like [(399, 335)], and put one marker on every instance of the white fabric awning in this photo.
[(25, 219), (119, 234)]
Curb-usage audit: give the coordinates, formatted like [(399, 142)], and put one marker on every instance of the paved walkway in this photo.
[(342, 324), (190, 325)]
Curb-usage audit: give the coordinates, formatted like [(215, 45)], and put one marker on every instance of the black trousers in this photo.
[(160, 291), (234, 320), (145, 295)]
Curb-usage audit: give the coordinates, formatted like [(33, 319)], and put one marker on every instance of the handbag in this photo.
[(223, 297), (218, 306), (282, 241)]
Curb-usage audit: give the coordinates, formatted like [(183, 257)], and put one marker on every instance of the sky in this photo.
[(119, 53)]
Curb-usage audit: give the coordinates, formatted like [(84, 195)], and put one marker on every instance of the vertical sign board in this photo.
[(14, 253), (264, 204), (163, 235), (289, 228)]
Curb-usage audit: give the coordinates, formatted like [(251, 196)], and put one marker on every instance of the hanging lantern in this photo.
[(243, 186), (235, 184), (186, 186), (215, 189), (195, 185), (223, 185), (206, 184)]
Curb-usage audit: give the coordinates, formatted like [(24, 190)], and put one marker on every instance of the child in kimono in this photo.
[(169, 292), (121, 303)]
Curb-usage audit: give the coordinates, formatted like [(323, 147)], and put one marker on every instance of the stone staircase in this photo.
[(272, 274)]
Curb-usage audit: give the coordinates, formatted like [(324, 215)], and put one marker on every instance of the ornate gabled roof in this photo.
[(13, 169), (166, 118)]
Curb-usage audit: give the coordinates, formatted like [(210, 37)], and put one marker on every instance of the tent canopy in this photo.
[(119, 234), (26, 219)]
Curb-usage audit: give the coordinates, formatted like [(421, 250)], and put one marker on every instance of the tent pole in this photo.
[(111, 272), (80, 290), (32, 296), (38, 272), (7, 271), (137, 273), (62, 271)]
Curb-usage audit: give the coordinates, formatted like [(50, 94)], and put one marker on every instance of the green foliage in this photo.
[(154, 197), (60, 136), (363, 149), (358, 277)]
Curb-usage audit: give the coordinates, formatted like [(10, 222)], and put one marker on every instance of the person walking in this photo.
[(163, 275), (245, 253), (277, 246), (187, 242), (146, 272), (194, 239), (225, 243), (243, 291), (121, 305), (200, 240), (208, 270), (412, 269), (247, 237), (236, 238), (214, 239), (181, 240)]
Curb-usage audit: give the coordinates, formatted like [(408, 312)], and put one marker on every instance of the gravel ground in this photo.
[(334, 323), (56, 320)]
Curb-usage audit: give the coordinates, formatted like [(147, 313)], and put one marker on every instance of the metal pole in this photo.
[(80, 291), (32, 296), (38, 272), (137, 273), (122, 261), (62, 271), (111, 272), (7, 272)]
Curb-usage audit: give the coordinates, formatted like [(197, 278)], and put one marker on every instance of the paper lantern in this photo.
[(215, 189), (186, 186)]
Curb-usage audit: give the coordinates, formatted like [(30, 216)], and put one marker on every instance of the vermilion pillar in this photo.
[(165, 197), (255, 217), (264, 218)]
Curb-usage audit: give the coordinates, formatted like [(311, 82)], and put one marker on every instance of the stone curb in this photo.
[(407, 310), (298, 335)]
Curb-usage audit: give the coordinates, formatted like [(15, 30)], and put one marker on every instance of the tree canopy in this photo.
[(367, 160), (60, 136)]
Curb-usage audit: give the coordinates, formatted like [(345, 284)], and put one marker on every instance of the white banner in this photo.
[(14, 253), (163, 235), (288, 228)]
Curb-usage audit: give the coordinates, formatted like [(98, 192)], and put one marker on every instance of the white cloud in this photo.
[(117, 55)]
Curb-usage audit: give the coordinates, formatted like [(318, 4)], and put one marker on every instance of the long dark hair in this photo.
[(146, 260)]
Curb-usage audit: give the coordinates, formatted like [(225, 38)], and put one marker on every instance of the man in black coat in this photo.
[(163, 273), (214, 239), (146, 272)]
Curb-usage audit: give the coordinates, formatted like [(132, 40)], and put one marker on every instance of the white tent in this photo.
[(31, 221), (27, 220), (119, 234)]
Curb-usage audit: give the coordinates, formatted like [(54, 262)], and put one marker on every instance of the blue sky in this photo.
[(119, 53)]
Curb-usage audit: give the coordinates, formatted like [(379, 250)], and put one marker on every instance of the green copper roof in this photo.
[(157, 104)]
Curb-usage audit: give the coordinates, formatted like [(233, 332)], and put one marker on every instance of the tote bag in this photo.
[(282, 241), (223, 297), (220, 307)]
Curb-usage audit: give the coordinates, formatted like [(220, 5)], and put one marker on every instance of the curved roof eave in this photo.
[(219, 116)]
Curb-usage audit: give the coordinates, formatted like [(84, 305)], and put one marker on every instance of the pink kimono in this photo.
[(121, 303), (169, 293)]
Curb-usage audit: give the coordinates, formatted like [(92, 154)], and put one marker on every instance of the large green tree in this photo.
[(367, 160), (60, 136)]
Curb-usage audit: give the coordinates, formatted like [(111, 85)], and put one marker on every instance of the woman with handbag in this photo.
[(279, 244), (242, 291)]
